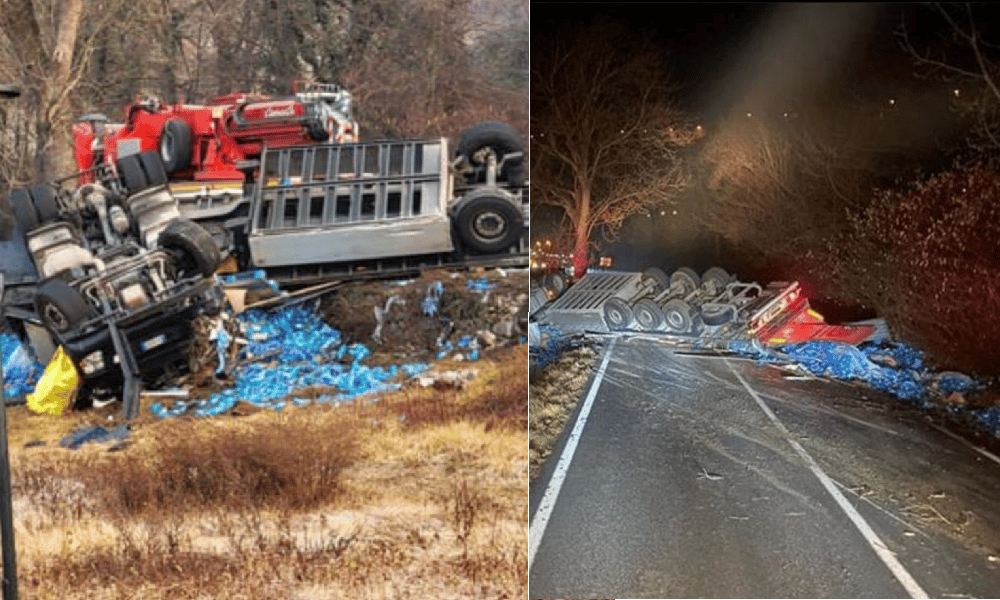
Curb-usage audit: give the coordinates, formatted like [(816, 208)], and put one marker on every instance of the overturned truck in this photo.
[(116, 269), (112, 273), (710, 311)]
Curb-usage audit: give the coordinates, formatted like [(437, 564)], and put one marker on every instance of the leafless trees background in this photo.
[(416, 67), (605, 132)]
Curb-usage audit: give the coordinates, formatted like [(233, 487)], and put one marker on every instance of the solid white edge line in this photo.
[(547, 504), (967, 443), (876, 543)]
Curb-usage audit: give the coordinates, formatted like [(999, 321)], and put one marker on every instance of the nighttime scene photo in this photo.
[(763, 313)]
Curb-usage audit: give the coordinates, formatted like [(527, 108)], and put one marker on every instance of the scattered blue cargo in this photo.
[(479, 285), (301, 352), (906, 381), (553, 344), (20, 371), (95, 435), (896, 368)]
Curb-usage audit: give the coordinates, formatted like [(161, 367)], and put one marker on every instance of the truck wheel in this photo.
[(61, 307), (717, 314), (686, 278), (192, 246), (678, 315), (501, 139), (657, 278), (132, 175), (488, 224), (648, 315), (156, 174), (716, 279), (554, 284), (618, 315), (175, 146), (46, 206), (24, 210)]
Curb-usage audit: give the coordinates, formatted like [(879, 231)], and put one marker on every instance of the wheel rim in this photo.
[(55, 317), (648, 315), (678, 316), (685, 280), (656, 278), (617, 314), (489, 225)]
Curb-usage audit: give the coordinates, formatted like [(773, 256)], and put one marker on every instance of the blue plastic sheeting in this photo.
[(843, 361), (988, 419), (896, 368), (301, 352), (479, 285), (96, 435), (20, 371), (429, 305), (554, 346)]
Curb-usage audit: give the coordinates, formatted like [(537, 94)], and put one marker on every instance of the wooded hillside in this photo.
[(415, 67)]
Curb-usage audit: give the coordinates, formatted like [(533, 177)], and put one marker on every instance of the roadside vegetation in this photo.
[(417, 495), (875, 190)]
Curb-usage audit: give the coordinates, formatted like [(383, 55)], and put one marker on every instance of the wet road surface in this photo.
[(712, 477)]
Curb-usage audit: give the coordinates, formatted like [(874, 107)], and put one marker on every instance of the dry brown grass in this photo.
[(418, 495)]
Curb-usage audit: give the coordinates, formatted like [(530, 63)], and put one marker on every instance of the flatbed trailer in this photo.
[(342, 211), (710, 311)]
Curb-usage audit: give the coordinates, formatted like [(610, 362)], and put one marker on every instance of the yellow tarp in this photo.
[(56, 388)]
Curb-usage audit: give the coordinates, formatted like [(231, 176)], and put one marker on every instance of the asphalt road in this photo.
[(686, 476)]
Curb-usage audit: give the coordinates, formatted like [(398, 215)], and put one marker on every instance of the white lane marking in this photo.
[(966, 442), (876, 543), (548, 502)]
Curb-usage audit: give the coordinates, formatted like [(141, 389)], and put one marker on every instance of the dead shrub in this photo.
[(925, 258), (292, 462)]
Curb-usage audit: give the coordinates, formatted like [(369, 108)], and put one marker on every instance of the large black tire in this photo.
[(156, 174), (555, 284), (716, 280), (488, 224), (131, 173), (192, 246), (502, 139), (717, 314), (678, 316), (618, 315), (175, 146), (686, 279), (46, 206), (24, 210), (648, 315), (61, 307), (655, 277)]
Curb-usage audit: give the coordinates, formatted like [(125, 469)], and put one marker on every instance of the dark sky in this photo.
[(728, 54)]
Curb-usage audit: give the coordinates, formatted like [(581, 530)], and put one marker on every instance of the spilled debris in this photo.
[(388, 333), (20, 369), (362, 339), (772, 324)]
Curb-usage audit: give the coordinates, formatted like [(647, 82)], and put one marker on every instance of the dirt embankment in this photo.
[(554, 393), (416, 493)]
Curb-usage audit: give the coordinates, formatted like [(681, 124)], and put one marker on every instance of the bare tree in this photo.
[(962, 51), (47, 57), (605, 133)]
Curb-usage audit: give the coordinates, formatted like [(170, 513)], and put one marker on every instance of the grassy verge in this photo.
[(421, 494)]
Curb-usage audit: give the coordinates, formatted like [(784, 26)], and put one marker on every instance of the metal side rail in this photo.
[(350, 202)]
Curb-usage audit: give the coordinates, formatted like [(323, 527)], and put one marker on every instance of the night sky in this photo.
[(726, 55), (772, 60)]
